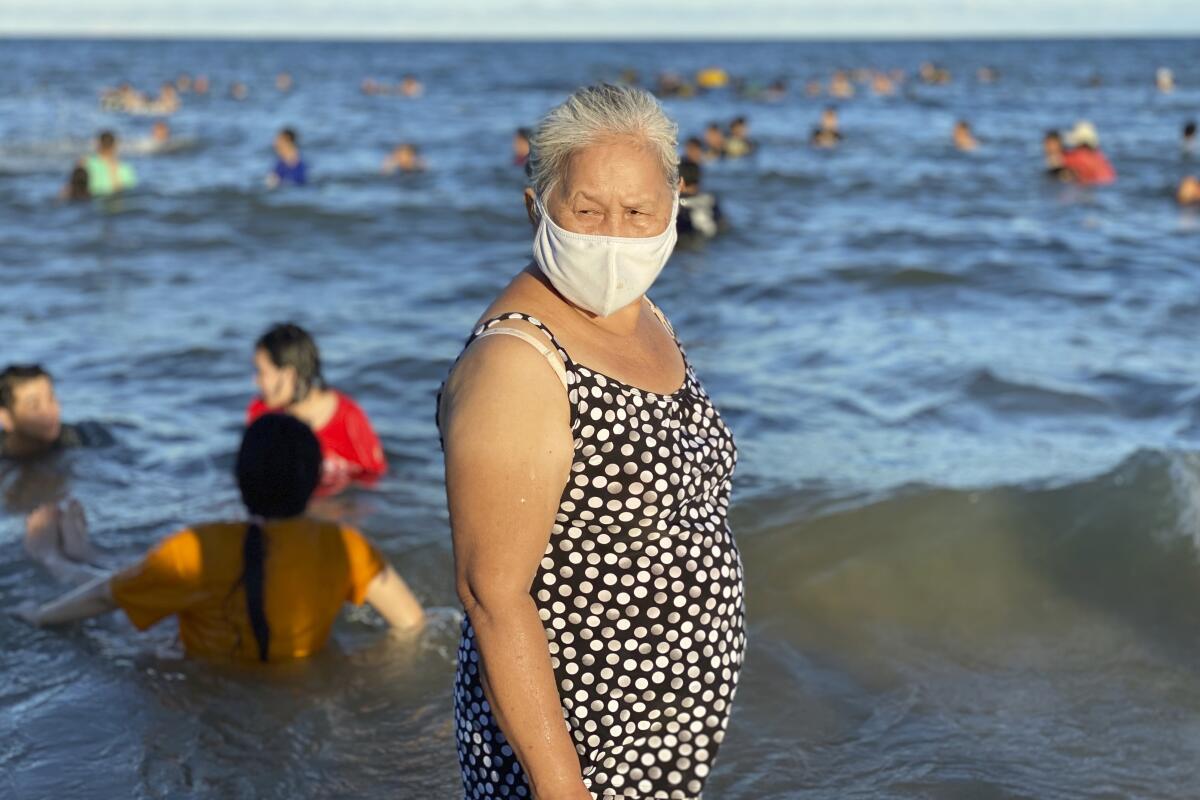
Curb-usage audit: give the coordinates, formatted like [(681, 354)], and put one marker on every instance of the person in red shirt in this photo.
[(289, 377), (1084, 160)]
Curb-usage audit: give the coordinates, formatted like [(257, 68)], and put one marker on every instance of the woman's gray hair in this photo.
[(595, 113)]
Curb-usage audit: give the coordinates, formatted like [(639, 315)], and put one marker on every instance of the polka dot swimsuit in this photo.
[(640, 592)]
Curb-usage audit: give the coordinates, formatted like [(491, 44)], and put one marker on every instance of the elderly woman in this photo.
[(588, 479)]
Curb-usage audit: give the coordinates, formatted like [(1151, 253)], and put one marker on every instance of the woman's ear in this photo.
[(531, 206)]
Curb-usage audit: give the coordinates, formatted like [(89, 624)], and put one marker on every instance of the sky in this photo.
[(622, 19)]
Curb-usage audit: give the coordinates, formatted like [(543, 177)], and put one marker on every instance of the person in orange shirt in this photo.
[(266, 589)]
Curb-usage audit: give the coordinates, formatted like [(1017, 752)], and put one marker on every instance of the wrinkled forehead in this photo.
[(620, 167)]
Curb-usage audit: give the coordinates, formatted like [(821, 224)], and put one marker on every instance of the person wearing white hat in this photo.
[(1084, 160)]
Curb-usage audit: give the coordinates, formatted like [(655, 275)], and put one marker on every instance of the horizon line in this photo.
[(566, 38)]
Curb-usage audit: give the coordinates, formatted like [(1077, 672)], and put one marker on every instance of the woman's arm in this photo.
[(508, 450), (89, 600), (390, 596)]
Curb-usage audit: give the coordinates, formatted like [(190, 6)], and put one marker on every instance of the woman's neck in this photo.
[(316, 409)]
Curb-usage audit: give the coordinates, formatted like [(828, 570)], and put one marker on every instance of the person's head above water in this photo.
[(29, 409), (406, 157), (77, 187), (714, 137), (604, 162), (693, 150), (278, 466), (161, 132), (689, 176), (829, 118), (737, 128), (106, 143), (287, 365), (287, 144), (520, 144), (1189, 130), (1084, 134)]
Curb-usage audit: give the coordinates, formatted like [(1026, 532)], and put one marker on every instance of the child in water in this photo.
[(289, 169), (108, 174), (265, 589), (76, 188), (288, 367), (31, 418), (699, 211), (1189, 191), (403, 158)]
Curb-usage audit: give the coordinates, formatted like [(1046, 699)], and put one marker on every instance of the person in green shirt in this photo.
[(106, 173)]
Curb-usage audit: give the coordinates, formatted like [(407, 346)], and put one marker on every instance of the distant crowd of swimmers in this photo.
[(303, 439), (1076, 157)]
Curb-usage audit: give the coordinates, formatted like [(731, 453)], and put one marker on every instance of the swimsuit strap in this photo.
[(551, 356), (491, 323), (663, 319)]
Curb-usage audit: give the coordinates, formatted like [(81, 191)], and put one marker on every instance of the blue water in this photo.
[(965, 397)]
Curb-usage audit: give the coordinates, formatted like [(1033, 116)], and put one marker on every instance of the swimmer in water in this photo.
[(266, 589), (31, 418), (882, 85), (1189, 191), (404, 158), (827, 134), (1052, 150), (1086, 162), (964, 138), (167, 101), (1164, 79), (520, 146), (283, 82), (411, 87), (288, 374), (693, 150), (1188, 142), (714, 142), (840, 86), (289, 168), (739, 144), (238, 91), (77, 186), (200, 86), (699, 211), (107, 174)]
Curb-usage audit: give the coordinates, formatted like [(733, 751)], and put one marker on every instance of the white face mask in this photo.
[(601, 274)]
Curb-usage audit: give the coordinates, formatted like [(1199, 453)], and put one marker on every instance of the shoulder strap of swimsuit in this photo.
[(551, 357), (662, 318), (557, 357)]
